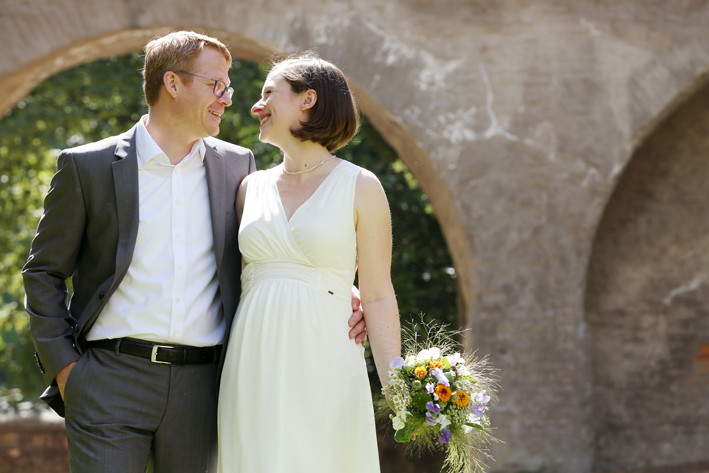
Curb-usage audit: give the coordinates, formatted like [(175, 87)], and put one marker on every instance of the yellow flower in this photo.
[(421, 371), (444, 392), (435, 364), (462, 398)]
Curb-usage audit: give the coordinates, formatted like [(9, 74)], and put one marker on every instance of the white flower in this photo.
[(410, 360), (397, 423), (399, 420), (435, 352), (443, 421), (440, 376), (400, 401), (471, 419), (423, 355), (465, 386), (454, 359)]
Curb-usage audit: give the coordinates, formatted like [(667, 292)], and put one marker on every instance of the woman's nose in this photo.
[(257, 107)]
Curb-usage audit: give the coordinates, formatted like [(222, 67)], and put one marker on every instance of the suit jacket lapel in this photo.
[(216, 183), (125, 181)]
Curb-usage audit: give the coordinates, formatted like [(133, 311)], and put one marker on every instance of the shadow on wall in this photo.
[(647, 303)]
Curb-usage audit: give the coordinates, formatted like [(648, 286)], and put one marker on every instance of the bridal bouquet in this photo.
[(440, 399)]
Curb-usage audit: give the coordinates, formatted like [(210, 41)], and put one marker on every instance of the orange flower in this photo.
[(462, 398), (420, 371), (435, 364), (444, 392)]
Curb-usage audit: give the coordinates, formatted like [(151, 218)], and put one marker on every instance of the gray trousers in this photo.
[(124, 412)]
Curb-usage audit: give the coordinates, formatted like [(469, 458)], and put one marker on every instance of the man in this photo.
[(144, 223)]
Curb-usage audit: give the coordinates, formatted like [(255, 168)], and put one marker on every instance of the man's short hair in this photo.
[(173, 52)]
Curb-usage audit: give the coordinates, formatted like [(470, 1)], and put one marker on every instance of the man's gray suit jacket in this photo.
[(88, 233)]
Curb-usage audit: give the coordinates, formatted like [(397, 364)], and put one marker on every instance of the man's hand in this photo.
[(358, 329), (62, 376)]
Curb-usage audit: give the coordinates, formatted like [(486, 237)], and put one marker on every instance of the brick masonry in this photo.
[(33, 446)]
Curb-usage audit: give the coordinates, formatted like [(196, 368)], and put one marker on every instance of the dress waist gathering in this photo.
[(268, 271)]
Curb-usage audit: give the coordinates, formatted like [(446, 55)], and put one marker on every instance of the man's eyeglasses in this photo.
[(219, 86)]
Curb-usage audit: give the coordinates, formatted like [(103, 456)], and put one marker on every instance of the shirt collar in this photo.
[(148, 150)]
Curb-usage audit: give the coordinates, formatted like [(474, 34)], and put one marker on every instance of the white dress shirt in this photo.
[(170, 292)]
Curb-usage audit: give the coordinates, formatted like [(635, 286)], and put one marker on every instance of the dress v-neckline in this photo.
[(310, 197)]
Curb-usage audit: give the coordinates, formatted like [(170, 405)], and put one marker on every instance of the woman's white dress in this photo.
[(295, 394)]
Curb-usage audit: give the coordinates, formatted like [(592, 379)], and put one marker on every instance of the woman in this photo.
[(295, 395)]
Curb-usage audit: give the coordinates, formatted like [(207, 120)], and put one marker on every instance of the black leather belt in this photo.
[(160, 353)]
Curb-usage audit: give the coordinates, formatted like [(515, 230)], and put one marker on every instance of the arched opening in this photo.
[(413, 155), (647, 301), (406, 146)]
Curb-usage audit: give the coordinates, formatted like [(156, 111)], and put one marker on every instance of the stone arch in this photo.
[(647, 299), (21, 81)]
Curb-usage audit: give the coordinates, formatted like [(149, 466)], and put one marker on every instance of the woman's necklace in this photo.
[(292, 173)]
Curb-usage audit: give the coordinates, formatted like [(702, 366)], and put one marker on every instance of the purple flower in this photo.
[(429, 419), (433, 407), (481, 397), (478, 409), (396, 363), (430, 387), (445, 436)]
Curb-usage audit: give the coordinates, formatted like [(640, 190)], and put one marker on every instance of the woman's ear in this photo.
[(308, 100)]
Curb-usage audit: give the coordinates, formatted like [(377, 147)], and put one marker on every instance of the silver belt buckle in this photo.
[(154, 354)]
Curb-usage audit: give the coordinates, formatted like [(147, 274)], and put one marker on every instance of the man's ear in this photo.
[(308, 99), (171, 83)]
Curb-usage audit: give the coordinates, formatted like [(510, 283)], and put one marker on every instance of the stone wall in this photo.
[(519, 119)]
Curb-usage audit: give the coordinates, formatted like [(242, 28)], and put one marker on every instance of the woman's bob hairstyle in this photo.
[(334, 118)]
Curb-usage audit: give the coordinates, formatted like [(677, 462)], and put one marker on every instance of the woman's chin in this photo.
[(265, 138)]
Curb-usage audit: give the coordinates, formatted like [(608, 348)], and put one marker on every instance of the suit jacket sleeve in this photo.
[(51, 262)]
